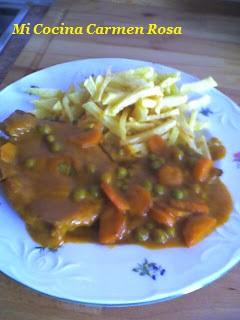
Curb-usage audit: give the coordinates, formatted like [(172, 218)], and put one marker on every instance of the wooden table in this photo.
[(210, 45)]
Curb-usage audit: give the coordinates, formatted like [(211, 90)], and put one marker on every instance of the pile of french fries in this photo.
[(133, 105)]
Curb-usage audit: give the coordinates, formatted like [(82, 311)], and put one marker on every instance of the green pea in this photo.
[(159, 190), (91, 125), (95, 191), (30, 163), (79, 194), (56, 147), (45, 129), (156, 164), (159, 236), (65, 168), (152, 156), (122, 172), (148, 185), (50, 138), (107, 177), (178, 194), (142, 234), (92, 168), (121, 152), (171, 231), (196, 188), (150, 225)]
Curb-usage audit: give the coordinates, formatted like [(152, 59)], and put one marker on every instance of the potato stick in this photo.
[(103, 86), (174, 101), (112, 97), (45, 92), (45, 103), (58, 107), (122, 124), (166, 83), (164, 115), (198, 86), (90, 85), (139, 126), (139, 148), (97, 113), (173, 136), (192, 120), (148, 103), (160, 129), (202, 144), (67, 108), (133, 98)]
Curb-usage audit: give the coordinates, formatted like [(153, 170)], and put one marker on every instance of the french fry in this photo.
[(133, 105)]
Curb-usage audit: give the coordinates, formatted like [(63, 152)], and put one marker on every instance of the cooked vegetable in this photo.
[(89, 138), (56, 147), (114, 196), (170, 175), (140, 200), (202, 169), (79, 194), (112, 225), (160, 236), (178, 194), (50, 138), (122, 172), (142, 234), (217, 150), (45, 129), (171, 231), (147, 184), (156, 144), (159, 190), (163, 216), (190, 206), (196, 228), (30, 163)]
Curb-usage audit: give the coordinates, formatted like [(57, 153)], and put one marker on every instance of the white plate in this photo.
[(95, 274)]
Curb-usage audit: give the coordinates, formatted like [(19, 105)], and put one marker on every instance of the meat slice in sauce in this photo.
[(44, 180), (18, 123)]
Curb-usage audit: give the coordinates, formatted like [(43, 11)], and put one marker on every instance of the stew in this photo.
[(66, 184)]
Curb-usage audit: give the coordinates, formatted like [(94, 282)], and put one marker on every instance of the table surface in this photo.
[(210, 45)]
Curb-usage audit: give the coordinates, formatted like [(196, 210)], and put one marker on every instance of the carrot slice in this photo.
[(202, 169), (170, 175), (112, 225), (156, 144), (140, 200), (190, 206), (113, 195), (196, 228), (88, 138), (8, 152), (163, 216)]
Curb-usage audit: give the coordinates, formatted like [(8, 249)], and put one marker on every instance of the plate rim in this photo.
[(227, 267)]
